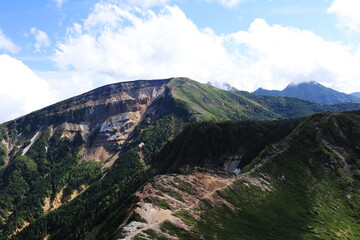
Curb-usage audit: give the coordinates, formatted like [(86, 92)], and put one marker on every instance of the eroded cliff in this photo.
[(104, 118)]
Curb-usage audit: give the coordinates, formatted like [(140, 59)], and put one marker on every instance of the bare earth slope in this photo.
[(305, 186)]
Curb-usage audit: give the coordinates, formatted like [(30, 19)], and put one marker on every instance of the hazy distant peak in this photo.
[(312, 91), (312, 82), (356, 94)]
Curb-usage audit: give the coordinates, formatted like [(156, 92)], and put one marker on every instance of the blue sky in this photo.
[(55, 49)]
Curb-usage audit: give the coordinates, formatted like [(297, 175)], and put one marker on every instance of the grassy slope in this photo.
[(314, 192), (215, 104)]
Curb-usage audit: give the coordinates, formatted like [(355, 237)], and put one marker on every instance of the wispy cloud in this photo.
[(7, 44), (41, 38), (147, 3), (59, 3), (291, 10), (228, 3)]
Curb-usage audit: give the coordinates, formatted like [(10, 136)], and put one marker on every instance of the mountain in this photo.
[(312, 91), (356, 94), (303, 186), (287, 191), (70, 170)]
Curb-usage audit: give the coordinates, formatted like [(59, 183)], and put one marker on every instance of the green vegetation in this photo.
[(214, 104), (27, 180), (159, 145), (186, 217), (136, 217), (104, 204), (162, 204), (310, 188), (173, 230), (157, 129), (215, 143), (3, 154), (153, 235)]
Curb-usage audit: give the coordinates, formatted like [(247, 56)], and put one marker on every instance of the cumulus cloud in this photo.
[(42, 39), (276, 55), (21, 90), (6, 44), (347, 12), (125, 44)]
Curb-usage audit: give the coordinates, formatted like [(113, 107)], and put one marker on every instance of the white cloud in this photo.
[(59, 3), (152, 3), (347, 12), (228, 3), (147, 3), (21, 90), (276, 55), (117, 43), (132, 44), (6, 44), (42, 39)]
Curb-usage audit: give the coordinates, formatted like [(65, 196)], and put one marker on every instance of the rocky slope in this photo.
[(174, 199), (103, 117), (305, 186), (67, 171)]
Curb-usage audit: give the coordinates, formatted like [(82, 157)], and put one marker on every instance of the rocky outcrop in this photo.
[(167, 196), (104, 117)]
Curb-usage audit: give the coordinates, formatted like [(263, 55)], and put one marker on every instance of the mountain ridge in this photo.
[(312, 91), (356, 94), (69, 171), (287, 192)]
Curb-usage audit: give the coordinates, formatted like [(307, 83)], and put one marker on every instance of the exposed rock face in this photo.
[(104, 117), (167, 195)]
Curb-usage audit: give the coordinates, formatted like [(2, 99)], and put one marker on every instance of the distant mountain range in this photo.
[(356, 94), (312, 91)]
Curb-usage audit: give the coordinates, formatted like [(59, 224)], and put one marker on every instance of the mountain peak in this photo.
[(294, 84), (312, 91)]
